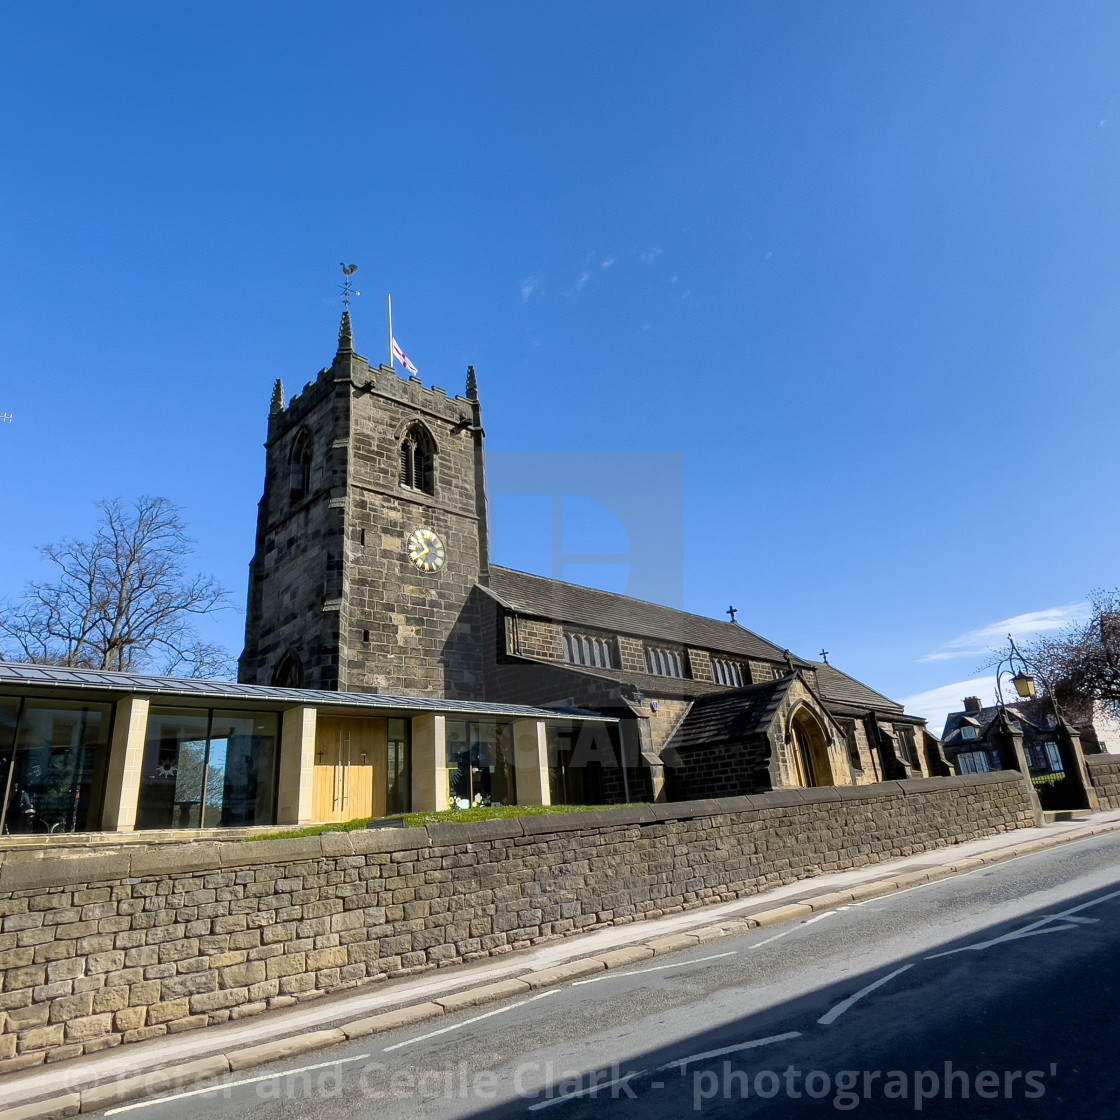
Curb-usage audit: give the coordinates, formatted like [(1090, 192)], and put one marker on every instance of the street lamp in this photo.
[(1021, 678)]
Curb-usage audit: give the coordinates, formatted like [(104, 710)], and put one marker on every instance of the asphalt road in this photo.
[(1002, 984)]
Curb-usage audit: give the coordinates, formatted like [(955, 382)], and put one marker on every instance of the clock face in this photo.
[(426, 550)]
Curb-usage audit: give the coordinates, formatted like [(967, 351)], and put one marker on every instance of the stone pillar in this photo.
[(530, 761), (297, 767), (1009, 742), (429, 764), (1073, 759), (126, 758)]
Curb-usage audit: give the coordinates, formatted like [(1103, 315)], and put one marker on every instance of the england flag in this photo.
[(402, 357)]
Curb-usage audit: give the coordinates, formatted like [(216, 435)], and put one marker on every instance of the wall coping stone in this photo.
[(22, 870)]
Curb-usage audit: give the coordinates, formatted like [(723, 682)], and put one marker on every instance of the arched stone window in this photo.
[(299, 472), (289, 673), (418, 459)]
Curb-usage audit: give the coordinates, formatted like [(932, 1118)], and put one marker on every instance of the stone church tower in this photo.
[(371, 534)]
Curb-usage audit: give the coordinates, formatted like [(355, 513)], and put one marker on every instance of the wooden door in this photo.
[(345, 754)]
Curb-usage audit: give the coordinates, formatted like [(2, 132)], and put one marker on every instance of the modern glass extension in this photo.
[(480, 764), (208, 768), (52, 762)]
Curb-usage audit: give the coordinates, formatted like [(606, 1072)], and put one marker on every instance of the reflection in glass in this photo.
[(480, 764), (208, 769), (241, 773), (398, 781), (53, 763), (172, 778)]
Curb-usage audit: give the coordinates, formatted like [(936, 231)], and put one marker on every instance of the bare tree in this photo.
[(1082, 664), (121, 600)]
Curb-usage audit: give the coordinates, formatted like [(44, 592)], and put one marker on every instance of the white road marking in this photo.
[(468, 1022), (818, 917), (655, 968), (1042, 925), (585, 1092), (830, 1017), (231, 1084), (682, 1063)]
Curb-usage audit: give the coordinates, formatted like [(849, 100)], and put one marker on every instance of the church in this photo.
[(372, 574)]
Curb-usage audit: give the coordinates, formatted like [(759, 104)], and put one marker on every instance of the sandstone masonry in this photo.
[(102, 949)]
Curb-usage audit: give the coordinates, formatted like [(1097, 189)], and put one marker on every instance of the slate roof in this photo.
[(836, 687), (730, 715), (604, 610), (1032, 714)]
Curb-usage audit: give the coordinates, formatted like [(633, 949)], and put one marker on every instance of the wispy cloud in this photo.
[(987, 639), (528, 287), (583, 278), (936, 703), (608, 262), (649, 255)]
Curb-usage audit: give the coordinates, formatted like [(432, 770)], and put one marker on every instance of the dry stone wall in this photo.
[(111, 946)]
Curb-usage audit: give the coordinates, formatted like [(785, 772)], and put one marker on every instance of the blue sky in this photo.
[(858, 265)]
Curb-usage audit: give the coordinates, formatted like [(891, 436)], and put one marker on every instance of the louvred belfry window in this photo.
[(418, 460)]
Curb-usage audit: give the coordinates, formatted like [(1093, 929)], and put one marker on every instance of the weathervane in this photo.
[(348, 271)]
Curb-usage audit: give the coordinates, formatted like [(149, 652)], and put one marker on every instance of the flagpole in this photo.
[(391, 366)]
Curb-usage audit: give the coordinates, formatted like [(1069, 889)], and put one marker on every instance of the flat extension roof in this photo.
[(16, 677)]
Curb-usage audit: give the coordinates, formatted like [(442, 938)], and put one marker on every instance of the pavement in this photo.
[(173, 1062)]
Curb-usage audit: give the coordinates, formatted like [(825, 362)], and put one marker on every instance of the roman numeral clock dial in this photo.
[(426, 550)]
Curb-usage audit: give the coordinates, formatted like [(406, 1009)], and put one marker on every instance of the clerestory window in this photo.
[(663, 662), (589, 649), (729, 673)]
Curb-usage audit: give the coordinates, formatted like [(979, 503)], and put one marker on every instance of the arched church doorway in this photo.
[(811, 750)]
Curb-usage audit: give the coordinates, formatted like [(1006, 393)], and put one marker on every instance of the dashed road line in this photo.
[(226, 1085), (830, 1017), (590, 1090), (475, 1019), (683, 1063), (655, 968)]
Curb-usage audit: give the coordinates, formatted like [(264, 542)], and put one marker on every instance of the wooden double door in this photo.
[(349, 754)]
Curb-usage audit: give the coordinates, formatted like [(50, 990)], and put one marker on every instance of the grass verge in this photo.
[(448, 816)]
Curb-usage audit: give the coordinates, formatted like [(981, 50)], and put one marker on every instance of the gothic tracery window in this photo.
[(289, 673), (299, 477), (418, 460)]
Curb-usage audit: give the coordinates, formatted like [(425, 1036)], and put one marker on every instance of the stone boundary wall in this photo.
[(1104, 773), (123, 945)]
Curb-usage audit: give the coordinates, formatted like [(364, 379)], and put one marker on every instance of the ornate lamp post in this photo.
[(1014, 665)]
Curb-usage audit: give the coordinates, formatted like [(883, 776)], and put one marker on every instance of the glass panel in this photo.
[(458, 764), (60, 750), (398, 781), (241, 770), (492, 775), (171, 780)]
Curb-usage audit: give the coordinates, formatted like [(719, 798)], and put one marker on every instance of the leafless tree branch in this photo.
[(121, 600)]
